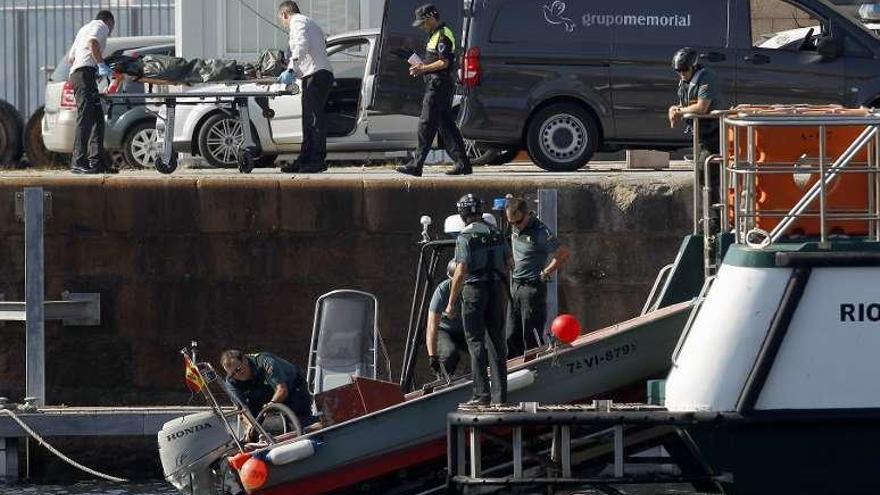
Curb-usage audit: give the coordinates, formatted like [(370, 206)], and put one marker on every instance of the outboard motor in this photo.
[(188, 448)]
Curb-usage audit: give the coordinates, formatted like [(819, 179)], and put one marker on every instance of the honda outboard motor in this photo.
[(189, 446)]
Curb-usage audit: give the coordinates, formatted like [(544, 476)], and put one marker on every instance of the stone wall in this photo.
[(239, 262)]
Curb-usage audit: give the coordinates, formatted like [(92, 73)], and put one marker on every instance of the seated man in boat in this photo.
[(445, 337), (261, 378)]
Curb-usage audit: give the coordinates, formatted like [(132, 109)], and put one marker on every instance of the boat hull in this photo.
[(803, 455), (413, 433)]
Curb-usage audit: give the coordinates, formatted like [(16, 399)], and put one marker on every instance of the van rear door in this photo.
[(394, 91)]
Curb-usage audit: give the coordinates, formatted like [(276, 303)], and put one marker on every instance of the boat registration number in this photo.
[(602, 358)]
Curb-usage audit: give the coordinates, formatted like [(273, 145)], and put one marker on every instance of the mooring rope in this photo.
[(55, 451)]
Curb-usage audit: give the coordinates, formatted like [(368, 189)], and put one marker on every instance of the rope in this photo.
[(55, 451)]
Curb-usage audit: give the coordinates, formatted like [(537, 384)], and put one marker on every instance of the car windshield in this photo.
[(851, 8)]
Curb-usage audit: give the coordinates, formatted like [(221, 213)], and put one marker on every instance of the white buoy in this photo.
[(291, 452)]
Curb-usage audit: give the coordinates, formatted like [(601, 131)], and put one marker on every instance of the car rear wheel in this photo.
[(34, 148), (141, 146), (11, 127), (219, 140), (562, 137)]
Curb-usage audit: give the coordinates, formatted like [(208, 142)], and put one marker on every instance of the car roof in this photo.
[(362, 33), (149, 48)]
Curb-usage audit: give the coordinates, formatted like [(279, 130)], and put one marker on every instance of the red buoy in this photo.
[(566, 328), (238, 460), (253, 474)]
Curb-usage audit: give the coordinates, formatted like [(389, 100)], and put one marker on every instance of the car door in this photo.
[(394, 91), (646, 35), (286, 125), (777, 57)]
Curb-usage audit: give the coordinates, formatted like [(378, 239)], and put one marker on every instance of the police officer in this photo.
[(437, 69), (445, 336), (533, 245), (481, 257), (86, 59), (261, 378), (698, 93)]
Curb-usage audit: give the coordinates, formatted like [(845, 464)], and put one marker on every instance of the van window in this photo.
[(779, 25), (349, 58)]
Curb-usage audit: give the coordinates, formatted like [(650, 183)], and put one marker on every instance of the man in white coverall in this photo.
[(309, 63)]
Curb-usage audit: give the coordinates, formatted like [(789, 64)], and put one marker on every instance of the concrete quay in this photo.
[(238, 261)]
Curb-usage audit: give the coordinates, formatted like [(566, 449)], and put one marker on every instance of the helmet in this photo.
[(469, 204), (684, 58), (450, 268)]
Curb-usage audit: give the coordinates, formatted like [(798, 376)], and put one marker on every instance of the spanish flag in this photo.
[(194, 380)]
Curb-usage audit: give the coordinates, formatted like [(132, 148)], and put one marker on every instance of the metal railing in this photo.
[(35, 34), (746, 165)]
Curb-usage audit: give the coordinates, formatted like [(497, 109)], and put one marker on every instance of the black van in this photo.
[(565, 78)]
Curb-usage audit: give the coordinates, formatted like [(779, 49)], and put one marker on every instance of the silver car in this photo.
[(130, 131)]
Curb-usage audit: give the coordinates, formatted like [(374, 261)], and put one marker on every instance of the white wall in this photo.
[(227, 29)]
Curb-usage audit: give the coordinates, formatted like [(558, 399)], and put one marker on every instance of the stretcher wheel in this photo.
[(166, 168), (247, 159)]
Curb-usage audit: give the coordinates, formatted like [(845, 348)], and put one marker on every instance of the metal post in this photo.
[(823, 233), (517, 452), (34, 294), (751, 177), (737, 187), (696, 144), (565, 446), (872, 146), (476, 468), (725, 163), (618, 451), (548, 213)]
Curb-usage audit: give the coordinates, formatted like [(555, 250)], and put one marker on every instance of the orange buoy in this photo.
[(238, 460), (566, 328), (253, 474)]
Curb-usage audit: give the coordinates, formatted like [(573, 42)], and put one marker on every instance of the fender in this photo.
[(117, 130), (557, 88)]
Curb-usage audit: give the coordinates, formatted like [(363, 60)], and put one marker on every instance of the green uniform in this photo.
[(482, 249), (703, 86), (268, 371), (533, 247), (450, 338)]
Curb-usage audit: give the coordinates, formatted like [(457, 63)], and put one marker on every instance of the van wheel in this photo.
[(11, 128), (562, 137), (219, 139), (141, 146), (34, 148)]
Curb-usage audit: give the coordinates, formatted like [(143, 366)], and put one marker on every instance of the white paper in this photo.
[(414, 59)]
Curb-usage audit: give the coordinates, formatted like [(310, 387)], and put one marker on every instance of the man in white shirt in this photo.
[(309, 63), (86, 59)]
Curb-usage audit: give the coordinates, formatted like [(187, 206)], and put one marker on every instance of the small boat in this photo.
[(377, 436)]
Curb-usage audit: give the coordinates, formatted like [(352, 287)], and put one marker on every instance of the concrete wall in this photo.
[(239, 262)]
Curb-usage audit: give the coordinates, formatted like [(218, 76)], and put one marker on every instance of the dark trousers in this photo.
[(526, 317), (449, 345), (483, 315), (315, 90), (88, 140), (437, 116)]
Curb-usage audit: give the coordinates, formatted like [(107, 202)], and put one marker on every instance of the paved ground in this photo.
[(524, 170)]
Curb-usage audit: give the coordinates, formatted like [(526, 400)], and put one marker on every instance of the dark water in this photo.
[(162, 488)]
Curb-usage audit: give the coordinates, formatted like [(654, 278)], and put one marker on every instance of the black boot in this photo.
[(410, 170)]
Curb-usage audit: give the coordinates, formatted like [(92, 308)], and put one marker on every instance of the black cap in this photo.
[(424, 13)]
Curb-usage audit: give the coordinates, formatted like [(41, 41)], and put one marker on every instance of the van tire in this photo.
[(34, 148), (562, 137), (11, 134)]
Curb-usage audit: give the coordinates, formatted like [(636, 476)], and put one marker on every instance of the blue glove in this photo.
[(287, 77), (104, 70)]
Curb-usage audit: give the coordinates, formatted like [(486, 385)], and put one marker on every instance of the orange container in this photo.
[(779, 192)]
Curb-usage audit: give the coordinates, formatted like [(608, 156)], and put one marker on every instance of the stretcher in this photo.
[(234, 101)]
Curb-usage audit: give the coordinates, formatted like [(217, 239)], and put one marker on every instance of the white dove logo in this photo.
[(553, 15)]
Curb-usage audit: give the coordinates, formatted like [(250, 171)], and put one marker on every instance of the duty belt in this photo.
[(536, 281)]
